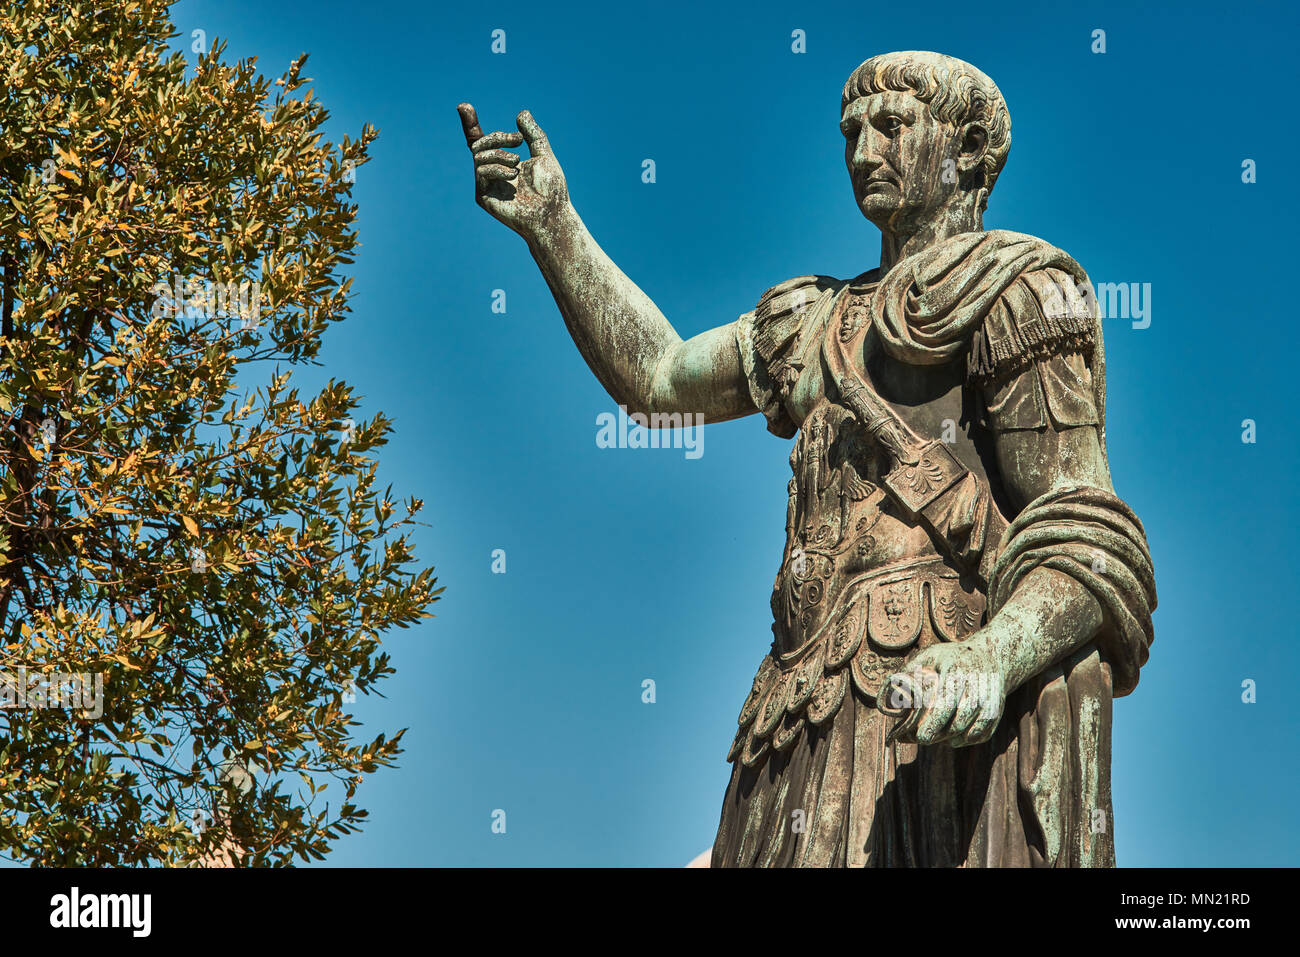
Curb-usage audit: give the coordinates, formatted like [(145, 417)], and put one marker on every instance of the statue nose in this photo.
[(866, 159), (866, 164)]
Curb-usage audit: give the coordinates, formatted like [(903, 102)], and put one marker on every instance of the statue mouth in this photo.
[(877, 184)]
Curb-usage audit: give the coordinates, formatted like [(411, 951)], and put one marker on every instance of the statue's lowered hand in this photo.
[(525, 195), (953, 692)]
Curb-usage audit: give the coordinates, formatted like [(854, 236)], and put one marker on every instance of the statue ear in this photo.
[(974, 143)]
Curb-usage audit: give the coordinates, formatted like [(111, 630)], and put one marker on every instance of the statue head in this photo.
[(924, 133)]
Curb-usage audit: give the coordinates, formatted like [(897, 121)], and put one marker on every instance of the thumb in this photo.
[(533, 135)]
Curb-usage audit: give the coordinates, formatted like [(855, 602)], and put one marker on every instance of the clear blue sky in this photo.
[(524, 694)]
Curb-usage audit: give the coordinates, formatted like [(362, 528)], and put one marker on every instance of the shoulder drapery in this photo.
[(935, 305)]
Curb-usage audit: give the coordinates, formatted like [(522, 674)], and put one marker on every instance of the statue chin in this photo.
[(885, 211), (878, 207)]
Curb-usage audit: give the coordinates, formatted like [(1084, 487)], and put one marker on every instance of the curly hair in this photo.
[(956, 92)]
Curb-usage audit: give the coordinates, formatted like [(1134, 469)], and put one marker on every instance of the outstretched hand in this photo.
[(525, 195)]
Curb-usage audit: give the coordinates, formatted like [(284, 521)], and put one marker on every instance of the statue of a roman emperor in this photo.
[(961, 594)]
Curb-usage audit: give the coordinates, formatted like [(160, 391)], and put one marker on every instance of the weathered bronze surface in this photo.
[(962, 594)]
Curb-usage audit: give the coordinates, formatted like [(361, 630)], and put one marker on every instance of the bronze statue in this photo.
[(962, 594)]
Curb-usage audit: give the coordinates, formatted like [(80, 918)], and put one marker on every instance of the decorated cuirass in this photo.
[(863, 585)]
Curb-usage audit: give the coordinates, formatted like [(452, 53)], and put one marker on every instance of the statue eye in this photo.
[(892, 125)]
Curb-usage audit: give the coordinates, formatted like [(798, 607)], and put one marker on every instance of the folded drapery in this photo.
[(932, 306), (1092, 536)]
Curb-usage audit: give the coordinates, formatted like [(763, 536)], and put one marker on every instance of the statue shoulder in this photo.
[(1046, 309), (1058, 283), (783, 308), (1037, 350), (772, 342), (782, 312), (793, 294)]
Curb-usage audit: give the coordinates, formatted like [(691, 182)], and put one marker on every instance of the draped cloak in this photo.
[(863, 587)]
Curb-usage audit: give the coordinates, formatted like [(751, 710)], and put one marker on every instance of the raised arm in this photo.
[(633, 350)]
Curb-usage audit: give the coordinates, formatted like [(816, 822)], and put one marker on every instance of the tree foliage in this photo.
[(176, 516)]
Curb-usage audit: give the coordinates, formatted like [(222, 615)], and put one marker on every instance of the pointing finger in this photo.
[(533, 135), (469, 123), (494, 140)]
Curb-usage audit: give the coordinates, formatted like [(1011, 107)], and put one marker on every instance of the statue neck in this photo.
[(899, 242)]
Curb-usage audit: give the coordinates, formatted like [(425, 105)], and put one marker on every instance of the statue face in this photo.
[(895, 152)]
